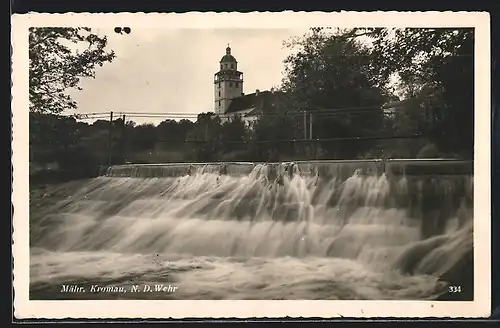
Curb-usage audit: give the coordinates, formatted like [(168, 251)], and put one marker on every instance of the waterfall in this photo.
[(333, 222)]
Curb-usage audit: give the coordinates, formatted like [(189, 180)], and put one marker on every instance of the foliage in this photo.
[(63, 140), (211, 137), (271, 133), (436, 68), (171, 130), (143, 136), (330, 71), (333, 69), (234, 135), (58, 58)]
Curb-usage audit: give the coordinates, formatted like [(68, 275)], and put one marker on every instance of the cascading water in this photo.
[(268, 232)]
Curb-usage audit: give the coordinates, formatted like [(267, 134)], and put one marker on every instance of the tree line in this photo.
[(426, 74)]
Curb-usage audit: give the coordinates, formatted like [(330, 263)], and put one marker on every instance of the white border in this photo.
[(480, 307)]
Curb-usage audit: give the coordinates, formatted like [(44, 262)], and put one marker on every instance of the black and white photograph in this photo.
[(301, 162)]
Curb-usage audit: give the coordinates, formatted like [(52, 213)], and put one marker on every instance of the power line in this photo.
[(160, 115), (177, 115), (315, 111), (226, 116), (309, 110), (140, 113), (92, 117)]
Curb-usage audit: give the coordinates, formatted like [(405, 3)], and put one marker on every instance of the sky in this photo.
[(171, 71)]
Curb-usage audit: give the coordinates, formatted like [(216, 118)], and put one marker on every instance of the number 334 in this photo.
[(454, 289)]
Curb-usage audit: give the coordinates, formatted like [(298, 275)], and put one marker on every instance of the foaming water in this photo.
[(261, 235)]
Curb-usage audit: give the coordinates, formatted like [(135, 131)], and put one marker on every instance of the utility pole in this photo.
[(110, 137), (122, 143), (305, 125), (312, 144), (310, 126)]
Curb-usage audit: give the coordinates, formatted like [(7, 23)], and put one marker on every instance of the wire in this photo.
[(92, 117), (314, 111), (309, 110)]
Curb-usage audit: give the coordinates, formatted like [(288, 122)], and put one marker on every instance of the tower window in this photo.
[(219, 103), (232, 65), (219, 93), (237, 84), (225, 65), (230, 84), (220, 66)]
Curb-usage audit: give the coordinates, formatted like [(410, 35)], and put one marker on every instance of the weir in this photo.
[(423, 186), (327, 168), (413, 217)]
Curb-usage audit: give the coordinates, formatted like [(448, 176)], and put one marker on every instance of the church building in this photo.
[(229, 97)]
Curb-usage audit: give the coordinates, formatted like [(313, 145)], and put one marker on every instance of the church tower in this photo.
[(228, 82)]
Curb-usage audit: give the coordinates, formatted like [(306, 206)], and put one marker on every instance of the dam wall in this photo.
[(322, 168)]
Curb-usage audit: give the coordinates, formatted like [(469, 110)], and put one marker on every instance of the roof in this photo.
[(264, 100), (228, 58)]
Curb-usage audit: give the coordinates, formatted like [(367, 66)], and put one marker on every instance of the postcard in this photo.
[(248, 165)]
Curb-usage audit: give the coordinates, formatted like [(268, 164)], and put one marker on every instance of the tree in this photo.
[(438, 66), (205, 136), (59, 58), (330, 71), (272, 134), (435, 68), (171, 130), (144, 137), (234, 134), (77, 147)]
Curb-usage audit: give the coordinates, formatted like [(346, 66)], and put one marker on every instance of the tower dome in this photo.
[(228, 58)]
